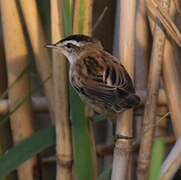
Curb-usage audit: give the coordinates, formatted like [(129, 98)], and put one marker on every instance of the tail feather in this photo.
[(126, 103)]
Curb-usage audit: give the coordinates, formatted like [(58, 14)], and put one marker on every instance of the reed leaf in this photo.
[(138, 139), (25, 150), (80, 135), (81, 141), (157, 158), (106, 174), (81, 16), (4, 119), (0, 157), (5, 93), (67, 16)]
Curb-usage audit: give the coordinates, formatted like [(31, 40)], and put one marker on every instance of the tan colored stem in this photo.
[(62, 117), (107, 150), (172, 80), (87, 29), (151, 100), (170, 75), (40, 104), (142, 52), (37, 38), (125, 35), (16, 59), (142, 48)]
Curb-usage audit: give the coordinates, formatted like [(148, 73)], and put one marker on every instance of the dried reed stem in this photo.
[(16, 57), (142, 48), (62, 117), (37, 38), (172, 80), (40, 104), (151, 100), (170, 75), (142, 52), (87, 29), (125, 34)]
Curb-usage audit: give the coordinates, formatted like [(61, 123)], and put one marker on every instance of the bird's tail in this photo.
[(128, 102), (133, 100)]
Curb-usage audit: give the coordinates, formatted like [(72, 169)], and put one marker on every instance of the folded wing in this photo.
[(104, 79)]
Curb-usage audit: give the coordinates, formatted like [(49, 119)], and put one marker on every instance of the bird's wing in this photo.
[(103, 78)]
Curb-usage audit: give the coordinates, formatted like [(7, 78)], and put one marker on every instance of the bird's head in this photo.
[(75, 45)]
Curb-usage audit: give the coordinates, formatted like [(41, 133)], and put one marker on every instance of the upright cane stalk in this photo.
[(16, 58), (86, 26), (151, 100), (170, 75), (125, 36), (80, 134), (37, 38), (62, 116), (142, 52), (172, 79)]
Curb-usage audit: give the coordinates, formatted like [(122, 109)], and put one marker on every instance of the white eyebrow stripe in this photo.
[(72, 42)]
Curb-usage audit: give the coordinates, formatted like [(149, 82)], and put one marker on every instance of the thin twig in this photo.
[(137, 140), (100, 18)]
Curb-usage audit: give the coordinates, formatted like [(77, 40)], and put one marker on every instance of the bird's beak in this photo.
[(53, 46)]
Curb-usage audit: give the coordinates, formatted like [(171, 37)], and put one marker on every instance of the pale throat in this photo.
[(71, 57)]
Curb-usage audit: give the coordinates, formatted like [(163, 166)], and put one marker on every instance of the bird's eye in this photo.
[(69, 45)]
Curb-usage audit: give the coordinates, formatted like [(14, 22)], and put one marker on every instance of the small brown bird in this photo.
[(97, 76)]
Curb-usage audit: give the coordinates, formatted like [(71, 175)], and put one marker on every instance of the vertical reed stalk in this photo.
[(151, 100), (142, 51), (170, 75), (82, 25), (172, 79), (86, 26), (16, 57), (83, 17), (37, 38), (126, 37), (62, 117)]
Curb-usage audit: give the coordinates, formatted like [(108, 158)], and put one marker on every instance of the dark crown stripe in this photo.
[(78, 38)]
